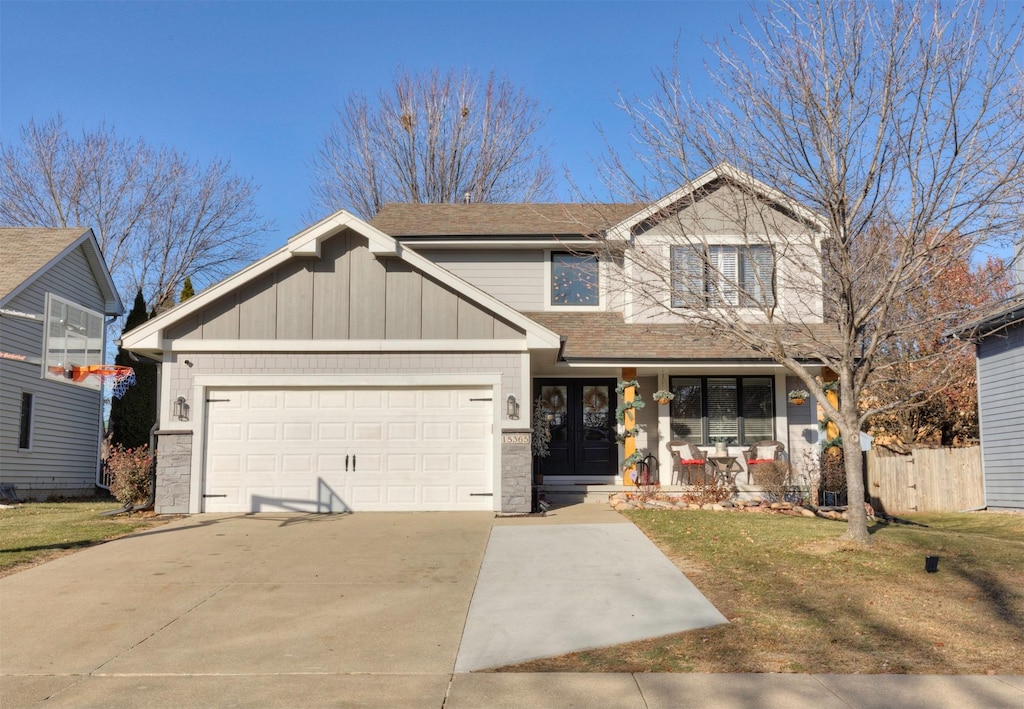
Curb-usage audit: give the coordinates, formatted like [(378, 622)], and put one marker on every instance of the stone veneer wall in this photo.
[(173, 471), (516, 471)]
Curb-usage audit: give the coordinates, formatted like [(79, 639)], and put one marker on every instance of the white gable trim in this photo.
[(111, 300), (624, 229), (149, 336)]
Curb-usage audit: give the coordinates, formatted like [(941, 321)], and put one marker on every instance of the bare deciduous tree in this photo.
[(433, 138), (896, 125), (159, 217)]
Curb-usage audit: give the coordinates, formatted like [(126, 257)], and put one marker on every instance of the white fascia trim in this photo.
[(623, 230), (112, 304), (284, 381), (674, 369), (308, 241), (493, 243), (304, 244), (343, 346), (307, 244)]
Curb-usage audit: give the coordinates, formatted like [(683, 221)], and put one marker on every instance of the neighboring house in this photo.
[(393, 365), (55, 294), (1000, 360)]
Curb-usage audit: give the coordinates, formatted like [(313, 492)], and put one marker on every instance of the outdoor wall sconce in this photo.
[(512, 407), (181, 408)]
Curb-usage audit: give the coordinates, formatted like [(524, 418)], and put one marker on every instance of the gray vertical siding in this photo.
[(346, 293), (66, 421), (1001, 409)]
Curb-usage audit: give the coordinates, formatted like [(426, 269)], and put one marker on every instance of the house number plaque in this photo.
[(523, 438)]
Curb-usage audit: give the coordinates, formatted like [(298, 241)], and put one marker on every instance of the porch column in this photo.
[(629, 422)]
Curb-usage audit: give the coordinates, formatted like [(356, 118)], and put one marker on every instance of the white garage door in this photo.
[(332, 450)]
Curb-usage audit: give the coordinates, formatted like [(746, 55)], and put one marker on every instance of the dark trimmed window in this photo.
[(574, 279), (25, 428), (740, 410), (722, 277)]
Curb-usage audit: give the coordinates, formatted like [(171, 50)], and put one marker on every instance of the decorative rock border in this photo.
[(621, 501)]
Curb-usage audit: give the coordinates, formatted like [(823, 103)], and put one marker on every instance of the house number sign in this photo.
[(515, 438)]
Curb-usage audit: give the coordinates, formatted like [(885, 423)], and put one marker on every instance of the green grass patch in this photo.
[(801, 599), (34, 532)]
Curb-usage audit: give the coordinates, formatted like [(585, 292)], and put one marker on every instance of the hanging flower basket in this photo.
[(798, 396), (663, 397)]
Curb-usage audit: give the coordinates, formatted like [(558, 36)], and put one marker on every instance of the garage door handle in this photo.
[(224, 495), (346, 463), (353, 464)]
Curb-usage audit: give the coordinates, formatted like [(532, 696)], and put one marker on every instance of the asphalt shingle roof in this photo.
[(606, 336), (25, 250), (492, 220)]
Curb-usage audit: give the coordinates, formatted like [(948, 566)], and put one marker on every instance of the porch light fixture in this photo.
[(181, 408), (512, 407)]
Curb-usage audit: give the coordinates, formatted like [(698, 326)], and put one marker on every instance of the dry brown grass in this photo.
[(800, 599)]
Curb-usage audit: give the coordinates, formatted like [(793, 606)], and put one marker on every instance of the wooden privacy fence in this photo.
[(927, 480)]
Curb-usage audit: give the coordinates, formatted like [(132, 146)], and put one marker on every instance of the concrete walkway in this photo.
[(570, 582), (341, 611)]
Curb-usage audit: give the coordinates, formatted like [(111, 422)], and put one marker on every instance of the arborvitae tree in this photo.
[(133, 415), (187, 291)]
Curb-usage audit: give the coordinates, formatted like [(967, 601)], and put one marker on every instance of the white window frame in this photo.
[(729, 263), (549, 281), (92, 341)]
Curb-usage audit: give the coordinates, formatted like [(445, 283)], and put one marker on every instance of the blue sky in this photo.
[(257, 83)]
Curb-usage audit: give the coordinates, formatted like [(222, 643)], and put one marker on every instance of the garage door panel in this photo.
[(261, 432), (403, 431), (299, 399), (332, 431), (360, 449), (264, 399), (371, 432), (403, 399), (226, 432)]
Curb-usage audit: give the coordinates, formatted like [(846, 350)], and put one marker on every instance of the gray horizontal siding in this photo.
[(346, 293), (1001, 409), (514, 277), (66, 418)]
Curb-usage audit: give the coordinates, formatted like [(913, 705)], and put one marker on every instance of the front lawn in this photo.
[(39, 531), (801, 600)]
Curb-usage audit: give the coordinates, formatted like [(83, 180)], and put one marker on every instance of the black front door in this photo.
[(581, 416)]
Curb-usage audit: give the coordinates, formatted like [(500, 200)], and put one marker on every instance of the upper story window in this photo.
[(723, 277), (574, 279)]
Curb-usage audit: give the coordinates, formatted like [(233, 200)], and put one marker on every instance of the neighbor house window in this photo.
[(722, 276), (739, 410), (25, 429), (574, 279)]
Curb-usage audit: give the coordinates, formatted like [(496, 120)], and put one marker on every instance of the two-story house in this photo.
[(55, 296), (396, 364)]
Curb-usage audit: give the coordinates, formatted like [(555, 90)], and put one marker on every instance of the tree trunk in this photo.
[(857, 520)]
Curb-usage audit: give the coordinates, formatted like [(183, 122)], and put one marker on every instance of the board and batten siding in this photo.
[(515, 277), (345, 294), (1001, 412), (64, 453)]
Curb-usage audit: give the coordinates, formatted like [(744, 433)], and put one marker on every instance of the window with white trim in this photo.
[(73, 341), (574, 279), (722, 276), (739, 410)]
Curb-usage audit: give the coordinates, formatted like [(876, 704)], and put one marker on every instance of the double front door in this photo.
[(580, 415)]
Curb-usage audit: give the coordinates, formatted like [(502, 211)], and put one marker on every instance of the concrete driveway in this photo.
[(247, 610)]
